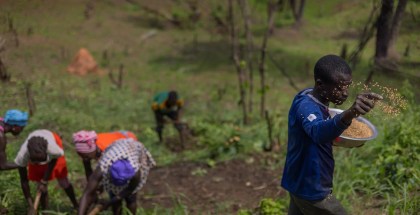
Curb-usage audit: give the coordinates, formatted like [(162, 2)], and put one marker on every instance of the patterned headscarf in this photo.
[(16, 117), (84, 141)]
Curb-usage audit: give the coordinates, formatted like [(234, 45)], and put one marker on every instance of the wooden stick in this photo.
[(95, 210), (37, 199)]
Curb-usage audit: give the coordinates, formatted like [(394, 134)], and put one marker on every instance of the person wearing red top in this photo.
[(41, 159)]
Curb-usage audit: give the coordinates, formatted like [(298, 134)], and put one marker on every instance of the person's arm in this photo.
[(88, 168), (364, 103), (134, 182), (89, 195), (43, 185), (24, 183), (318, 129), (4, 165)]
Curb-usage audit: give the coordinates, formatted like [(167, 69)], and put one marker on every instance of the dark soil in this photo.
[(230, 185)]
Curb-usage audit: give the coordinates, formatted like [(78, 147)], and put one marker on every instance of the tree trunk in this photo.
[(396, 23), (30, 99), (4, 75), (383, 30), (261, 66), (237, 61), (249, 50), (297, 10)]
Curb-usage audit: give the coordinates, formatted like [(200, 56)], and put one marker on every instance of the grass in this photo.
[(199, 71)]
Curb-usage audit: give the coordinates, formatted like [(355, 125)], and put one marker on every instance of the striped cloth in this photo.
[(132, 150)]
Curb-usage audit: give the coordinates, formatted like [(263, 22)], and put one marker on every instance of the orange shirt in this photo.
[(106, 139)]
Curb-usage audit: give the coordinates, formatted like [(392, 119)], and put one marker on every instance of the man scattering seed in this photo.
[(309, 167)]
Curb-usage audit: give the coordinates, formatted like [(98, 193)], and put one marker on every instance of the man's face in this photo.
[(16, 129), (337, 90)]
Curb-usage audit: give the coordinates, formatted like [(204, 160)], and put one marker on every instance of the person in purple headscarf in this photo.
[(122, 171), (13, 122)]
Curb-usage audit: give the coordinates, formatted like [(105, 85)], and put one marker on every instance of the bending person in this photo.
[(90, 145), (122, 171), (42, 152), (13, 122), (168, 104)]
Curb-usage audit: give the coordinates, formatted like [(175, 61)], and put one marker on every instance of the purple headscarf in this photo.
[(121, 172)]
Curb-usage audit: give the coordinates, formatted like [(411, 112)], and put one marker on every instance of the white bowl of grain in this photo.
[(360, 131)]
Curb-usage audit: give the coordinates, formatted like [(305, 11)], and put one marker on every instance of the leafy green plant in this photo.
[(394, 174), (271, 206), (268, 206)]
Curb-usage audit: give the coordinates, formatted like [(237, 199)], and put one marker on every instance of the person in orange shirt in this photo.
[(90, 145)]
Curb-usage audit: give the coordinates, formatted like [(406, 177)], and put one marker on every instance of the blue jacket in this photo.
[(309, 167)]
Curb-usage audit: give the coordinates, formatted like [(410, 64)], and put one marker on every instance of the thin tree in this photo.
[(249, 50), (388, 27), (383, 27), (396, 24), (240, 67), (367, 33), (297, 10), (30, 99), (4, 75), (261, 67)]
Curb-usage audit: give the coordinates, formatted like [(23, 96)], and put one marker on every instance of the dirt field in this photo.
[(239, 183)]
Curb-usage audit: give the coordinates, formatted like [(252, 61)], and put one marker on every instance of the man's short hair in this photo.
[(172, 96), (327, 67), (37, 146)]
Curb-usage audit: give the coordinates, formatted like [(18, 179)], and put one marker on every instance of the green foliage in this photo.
[(268, 206), (220, 139), (399, 156), (398, 161), (178, 209), (244, 212), (199, 172), (388, 167), (271, 207), (180, 15)]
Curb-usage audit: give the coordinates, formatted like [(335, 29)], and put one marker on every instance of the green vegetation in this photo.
[(382, 177)]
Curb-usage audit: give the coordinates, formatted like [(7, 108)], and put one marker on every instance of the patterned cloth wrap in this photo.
[(137, 155), (84, 141)]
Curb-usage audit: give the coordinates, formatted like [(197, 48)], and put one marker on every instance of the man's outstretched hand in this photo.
[(364, 103)]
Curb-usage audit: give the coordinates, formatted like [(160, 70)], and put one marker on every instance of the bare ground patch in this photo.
[(234, 184)]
